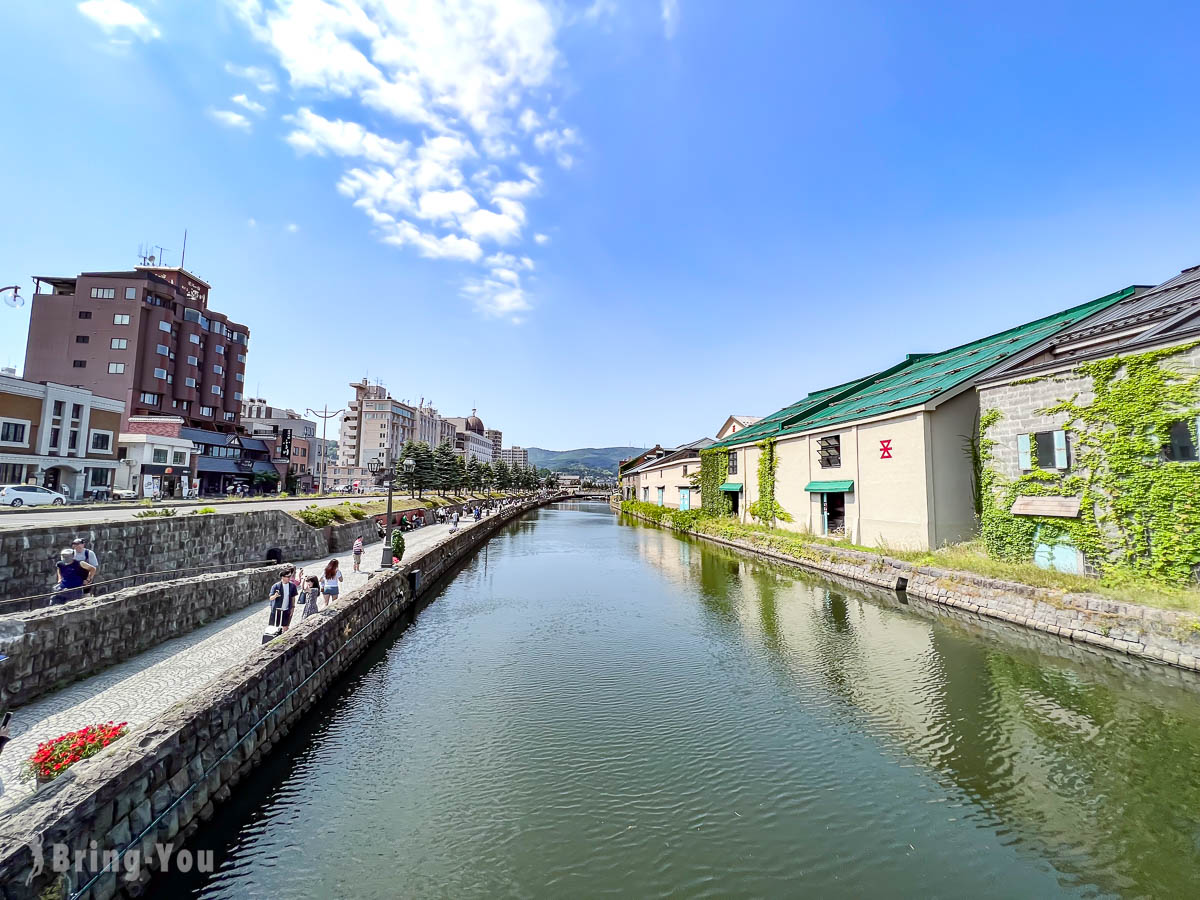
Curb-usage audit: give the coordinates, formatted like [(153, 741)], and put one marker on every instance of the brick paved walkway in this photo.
[(140, 688)]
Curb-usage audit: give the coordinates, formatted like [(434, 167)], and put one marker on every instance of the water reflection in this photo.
[(1080, 758)]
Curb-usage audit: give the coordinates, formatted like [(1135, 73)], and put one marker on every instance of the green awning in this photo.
[(730, 486), (830, 487)]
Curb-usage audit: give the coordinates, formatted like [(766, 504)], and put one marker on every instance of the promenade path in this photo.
[(141, 687)]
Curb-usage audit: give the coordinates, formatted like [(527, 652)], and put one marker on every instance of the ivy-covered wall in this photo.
[(1139, 514), (714, 469), (766, 508)]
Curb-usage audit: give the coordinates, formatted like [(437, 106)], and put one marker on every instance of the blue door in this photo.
[(661, 491), (685, 498)]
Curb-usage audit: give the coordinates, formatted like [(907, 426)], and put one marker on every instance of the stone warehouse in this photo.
[(1091, 441), (881, 460)]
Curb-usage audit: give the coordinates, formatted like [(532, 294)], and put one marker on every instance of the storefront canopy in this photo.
[(830, 487), (730, 486)]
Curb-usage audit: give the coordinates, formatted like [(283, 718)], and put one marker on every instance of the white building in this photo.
[(497, 438), (154, 463), (515, 456), (375, 425)]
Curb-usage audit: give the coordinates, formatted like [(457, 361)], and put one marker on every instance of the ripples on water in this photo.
[(602, 708)]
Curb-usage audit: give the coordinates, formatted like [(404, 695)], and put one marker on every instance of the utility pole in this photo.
[(325, 416)]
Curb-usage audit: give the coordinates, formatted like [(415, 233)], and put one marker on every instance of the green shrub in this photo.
[(316, 516), (155, 513), (397, 544)]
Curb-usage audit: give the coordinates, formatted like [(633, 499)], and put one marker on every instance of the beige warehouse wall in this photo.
[(892, 492), (953, 500)]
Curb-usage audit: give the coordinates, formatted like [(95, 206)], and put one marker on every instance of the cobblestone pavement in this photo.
[(140, 688)]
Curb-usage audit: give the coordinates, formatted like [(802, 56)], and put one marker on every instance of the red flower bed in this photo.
[(52, 758)]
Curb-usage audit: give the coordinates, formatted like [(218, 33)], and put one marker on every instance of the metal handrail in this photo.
[(31, 603)]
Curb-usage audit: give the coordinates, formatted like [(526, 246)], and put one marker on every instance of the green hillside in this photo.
[(585, 461)]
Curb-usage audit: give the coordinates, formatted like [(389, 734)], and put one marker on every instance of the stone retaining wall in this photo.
[(191, 757), (52, 647), (27, 557), (1162, 635)]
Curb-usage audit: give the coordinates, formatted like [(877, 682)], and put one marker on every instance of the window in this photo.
[(191, 315), (160, 373), (116, 368), (119, 319), (178, 458), (206, 410), (646, 494), (160, 456), (829, 451), (79, 363), (193, 361), (85, 314), (13, 431), (150, 399), (1182, 447), (190, 382), (237, 395), (216, 389), (241, 356), (240, 377), (164, 326), (1043, 450), (118, 344), (733, 462), (59, 409), (54, 436), (102, 441), (685, 470), (99, 477), (130, 293), (185, 405), (73, 440), (217, 370), (82, 338), (229, 417), (162, 349), (76, 411), (194, 338), (104, 293), (219, 349)]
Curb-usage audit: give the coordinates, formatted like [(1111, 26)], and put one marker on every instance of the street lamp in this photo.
[(410, 466), (325, 415), (12, 296), (384, 471)]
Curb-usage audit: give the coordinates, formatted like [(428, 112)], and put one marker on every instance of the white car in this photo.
[(29, 495)]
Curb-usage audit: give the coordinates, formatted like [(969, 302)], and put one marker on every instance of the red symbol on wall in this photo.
[(885, 449)]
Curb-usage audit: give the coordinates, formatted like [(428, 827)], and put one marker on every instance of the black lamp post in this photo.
[(410, 466), (384, 471)]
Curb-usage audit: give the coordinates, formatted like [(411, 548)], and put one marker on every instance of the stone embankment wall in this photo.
[(27, 556), (159, 782), (52, 647), (1162, 635)]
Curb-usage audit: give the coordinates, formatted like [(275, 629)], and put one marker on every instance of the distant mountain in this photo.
[(585, 461)]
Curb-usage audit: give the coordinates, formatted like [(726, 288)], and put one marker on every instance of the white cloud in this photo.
[(542, 239), (115, 16), (230, 119), (252, 223), (670, 17), (246, 103), (496, 298), (262, 79), (439, 106), (291, 228), (600, 9), (557, 141)]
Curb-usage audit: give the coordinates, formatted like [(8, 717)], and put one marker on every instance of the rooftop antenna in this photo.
[(183, 255)]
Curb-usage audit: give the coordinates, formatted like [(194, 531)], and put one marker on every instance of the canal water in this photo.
[(596, 707)]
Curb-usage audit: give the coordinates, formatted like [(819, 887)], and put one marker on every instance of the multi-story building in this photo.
[(497, 438), (292, 438), (470, 439), (144, 336), (375, 425), (432, 429), (515, 456), (155, 459), (63, 438)]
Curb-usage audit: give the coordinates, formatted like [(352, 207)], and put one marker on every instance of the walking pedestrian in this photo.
[(331, 580), (72, 574), (358, 545), (312, 590), (454, 522), (283, 599), (83, 553)]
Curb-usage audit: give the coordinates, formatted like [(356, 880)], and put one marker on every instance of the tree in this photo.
[(265, 481), (486, 477), (503, 479), (445, 467), (472, 475), (425, 475), (460, 474)]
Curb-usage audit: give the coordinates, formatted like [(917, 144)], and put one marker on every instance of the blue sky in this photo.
[(602, 222)]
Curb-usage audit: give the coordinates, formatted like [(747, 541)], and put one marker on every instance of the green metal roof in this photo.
[(731, 486), (917, 380), (829, 487)]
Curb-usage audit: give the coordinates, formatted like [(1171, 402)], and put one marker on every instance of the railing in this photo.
[(41, 601)]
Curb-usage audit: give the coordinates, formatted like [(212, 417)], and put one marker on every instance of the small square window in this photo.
[(178, 458), (160, 456), (130, 293), (85, 314), (81, 339), (829, 452), (116, 368), (119, 343), (1182, 447), (160, 373), (59, 408), (79, 363), (164, 326), (76, 410), (120, 319)]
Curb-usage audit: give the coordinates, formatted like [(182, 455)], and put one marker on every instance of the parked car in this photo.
[(29, 495), (129, 494)]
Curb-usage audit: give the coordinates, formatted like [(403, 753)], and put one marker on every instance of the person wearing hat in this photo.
[(72, 575)]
